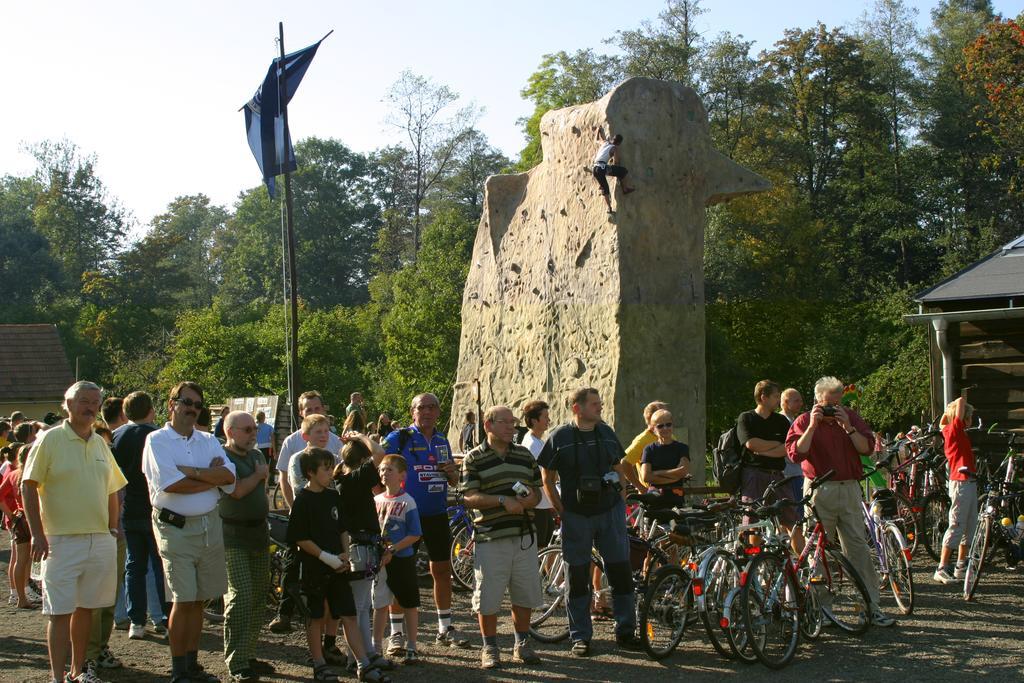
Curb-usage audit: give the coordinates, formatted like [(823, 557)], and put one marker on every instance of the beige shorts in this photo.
[(193, 557), (506, 564), (80, 571)]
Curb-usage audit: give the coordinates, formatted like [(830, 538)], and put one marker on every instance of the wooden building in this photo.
[(34, 370), (975, 322)]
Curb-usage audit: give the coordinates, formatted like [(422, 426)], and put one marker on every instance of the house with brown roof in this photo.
[(34, 370)]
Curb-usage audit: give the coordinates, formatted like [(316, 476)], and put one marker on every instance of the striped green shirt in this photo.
[(485, 471)]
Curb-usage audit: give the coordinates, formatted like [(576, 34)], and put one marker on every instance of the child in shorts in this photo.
[(400, 524), (316, 526)]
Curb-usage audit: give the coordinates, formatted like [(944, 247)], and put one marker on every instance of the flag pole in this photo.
[(293, 379)]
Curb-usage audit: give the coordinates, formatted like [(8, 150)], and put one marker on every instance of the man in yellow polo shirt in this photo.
[(70, 490), (635, 450)]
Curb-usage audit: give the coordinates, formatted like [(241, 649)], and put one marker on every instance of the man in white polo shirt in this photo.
[(186, 471), (70, 487)]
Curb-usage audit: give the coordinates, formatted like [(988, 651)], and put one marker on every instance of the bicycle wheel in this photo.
[(550, 622), (844, 600), (812, 619), (720, 576), (934, 520), (461, 553), (664, 613), (899, 569), (734, 625), (275, 589), (976, 557), (772, 609), (213, 610), (908, 521)]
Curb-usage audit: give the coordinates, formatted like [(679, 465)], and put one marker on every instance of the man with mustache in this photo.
[(187, 471), (69, 489)]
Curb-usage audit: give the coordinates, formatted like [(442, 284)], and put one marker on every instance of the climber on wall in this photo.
[(603, 166)]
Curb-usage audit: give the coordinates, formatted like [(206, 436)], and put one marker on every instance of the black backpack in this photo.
[(727, 462)]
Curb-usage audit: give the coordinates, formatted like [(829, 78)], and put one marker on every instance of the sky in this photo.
[(153, 89)]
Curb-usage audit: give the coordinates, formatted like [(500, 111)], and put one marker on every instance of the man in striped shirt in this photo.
[(501, 483)]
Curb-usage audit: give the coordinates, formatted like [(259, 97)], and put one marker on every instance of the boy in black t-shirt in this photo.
[(316, 526), (666, 462)]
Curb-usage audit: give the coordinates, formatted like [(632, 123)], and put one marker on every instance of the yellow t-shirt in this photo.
[(75, 478)]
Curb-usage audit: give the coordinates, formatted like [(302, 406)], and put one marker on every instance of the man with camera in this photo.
[(832, 437), (501, 482), (187, 471), (586, 456)]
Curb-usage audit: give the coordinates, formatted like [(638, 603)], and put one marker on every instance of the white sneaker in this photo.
[(137, 631), (943, 576), (960, 572)]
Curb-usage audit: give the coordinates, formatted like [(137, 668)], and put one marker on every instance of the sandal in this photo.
[(381, 662), (373, 675), (324, 673)]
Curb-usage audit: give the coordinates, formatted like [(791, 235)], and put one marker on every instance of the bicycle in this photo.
[(889, 549), (919, 485), (460, 552), (773, 599)]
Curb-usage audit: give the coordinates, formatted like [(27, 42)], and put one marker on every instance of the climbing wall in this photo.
[(562, 295)]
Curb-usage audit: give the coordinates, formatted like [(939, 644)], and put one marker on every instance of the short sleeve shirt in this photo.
[(75, 477), (424, 480), (127, 446), (484, 470), (251, 507), (665, 457), (572, 452), (356, 489), (264, 435), (164, 452), (9, 493), (398, 517), (958, 449), (316, 517), (293, 443), (535, 445), (750, 425)]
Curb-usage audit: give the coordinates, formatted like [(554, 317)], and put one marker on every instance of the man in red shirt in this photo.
[(832, 437), (963, 491)]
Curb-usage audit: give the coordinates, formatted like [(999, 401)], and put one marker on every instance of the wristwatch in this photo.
[(850, 432), (501, 501)]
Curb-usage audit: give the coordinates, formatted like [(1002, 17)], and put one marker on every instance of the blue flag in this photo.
[(269, 139)]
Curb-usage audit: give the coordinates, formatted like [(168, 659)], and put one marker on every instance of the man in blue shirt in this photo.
[(429, 473)]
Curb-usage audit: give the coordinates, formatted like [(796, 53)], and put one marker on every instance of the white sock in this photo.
[(444, 620)]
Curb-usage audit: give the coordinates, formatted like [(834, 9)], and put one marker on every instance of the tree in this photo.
[(463, 188), (993, 73), (563, 80), (729, 86), (31, 276), (189, 229), (73, 211), (420, 314), (669, 50), (418, 108)]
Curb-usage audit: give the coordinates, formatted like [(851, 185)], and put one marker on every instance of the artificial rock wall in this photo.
[(562, 295)]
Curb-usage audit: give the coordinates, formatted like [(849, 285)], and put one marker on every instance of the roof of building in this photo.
[(33, 365), (998, 275)]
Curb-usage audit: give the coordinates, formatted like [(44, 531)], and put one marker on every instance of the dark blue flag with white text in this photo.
[(269, 138)]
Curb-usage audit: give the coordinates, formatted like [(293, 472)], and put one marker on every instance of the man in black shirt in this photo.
[(586, 456), (762, 431), (142, 555)]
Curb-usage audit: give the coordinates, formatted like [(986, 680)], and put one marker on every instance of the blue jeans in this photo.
[(798, 494), (606, 531), (143, 559)]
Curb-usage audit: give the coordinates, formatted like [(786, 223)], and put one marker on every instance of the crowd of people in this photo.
[(130, 519)]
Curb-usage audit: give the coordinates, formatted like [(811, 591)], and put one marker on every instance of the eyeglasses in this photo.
[(664, 425), (247, 430), (189, 403)]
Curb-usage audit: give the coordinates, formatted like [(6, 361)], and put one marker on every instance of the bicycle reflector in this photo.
[(698, 587), (743, 578), (752, 550), (907, 554), (724, 622)]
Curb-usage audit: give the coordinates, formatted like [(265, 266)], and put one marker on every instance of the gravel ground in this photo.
[(945, 638)]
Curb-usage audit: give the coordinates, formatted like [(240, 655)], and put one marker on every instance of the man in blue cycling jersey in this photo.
[(430, 470)]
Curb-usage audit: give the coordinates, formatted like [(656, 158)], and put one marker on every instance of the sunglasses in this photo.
[(189, 403), (664, 425)]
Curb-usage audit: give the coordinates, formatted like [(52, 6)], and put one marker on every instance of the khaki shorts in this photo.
[(193, 557), (80, 571), (506, 564)]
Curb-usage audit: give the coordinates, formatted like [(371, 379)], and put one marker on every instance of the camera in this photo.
[(612, 479), (521, 489), (828, 411)]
